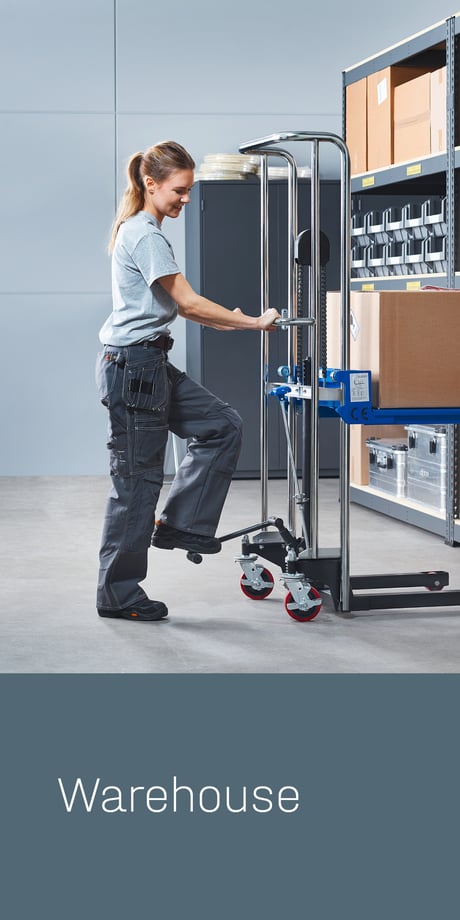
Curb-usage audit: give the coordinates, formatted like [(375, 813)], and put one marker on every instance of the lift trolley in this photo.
[(308, 383)]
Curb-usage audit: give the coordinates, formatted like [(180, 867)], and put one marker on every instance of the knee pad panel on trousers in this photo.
[(119, 460), (233, 436)]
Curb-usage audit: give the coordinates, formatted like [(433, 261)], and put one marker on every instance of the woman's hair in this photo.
[(158, 162)]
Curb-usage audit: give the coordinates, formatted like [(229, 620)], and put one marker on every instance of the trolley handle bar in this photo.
[(295, 321), (258, 145)]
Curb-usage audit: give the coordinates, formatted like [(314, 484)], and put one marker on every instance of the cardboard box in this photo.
[(356, 125), (409, 340), (412, 119), (438, 111), (380, 112), (359, 452)]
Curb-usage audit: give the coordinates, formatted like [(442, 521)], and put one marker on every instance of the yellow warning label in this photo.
[(413, 285), (368, 287), (414, 170), (367, 181)]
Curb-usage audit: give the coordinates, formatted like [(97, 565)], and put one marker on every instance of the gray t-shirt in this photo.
[(142, 309)]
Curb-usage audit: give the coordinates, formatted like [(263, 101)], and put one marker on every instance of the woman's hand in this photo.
[(266, 319)]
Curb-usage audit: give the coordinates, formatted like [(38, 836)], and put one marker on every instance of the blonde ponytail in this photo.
[(158, 162), (132, 199)]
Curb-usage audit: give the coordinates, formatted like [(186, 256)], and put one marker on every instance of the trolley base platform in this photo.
[(306, 576)]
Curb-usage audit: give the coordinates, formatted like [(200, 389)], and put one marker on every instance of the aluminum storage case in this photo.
[(387, 465), (427, 465)]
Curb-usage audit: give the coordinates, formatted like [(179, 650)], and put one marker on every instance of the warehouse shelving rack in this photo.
[(435, 174)]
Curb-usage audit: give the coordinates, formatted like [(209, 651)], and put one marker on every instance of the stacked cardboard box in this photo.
[(409, 341), (396, 114)]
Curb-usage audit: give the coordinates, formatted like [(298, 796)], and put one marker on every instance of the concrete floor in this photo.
[(50, 529)]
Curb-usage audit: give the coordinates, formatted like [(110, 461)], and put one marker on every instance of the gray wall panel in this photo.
[(56, 55), (57, 194), (52, 422), (252, 57)]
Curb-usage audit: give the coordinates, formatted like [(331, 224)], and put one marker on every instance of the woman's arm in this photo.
[(201, 310)]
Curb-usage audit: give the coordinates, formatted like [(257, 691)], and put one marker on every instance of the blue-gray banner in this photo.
[(223, 797)]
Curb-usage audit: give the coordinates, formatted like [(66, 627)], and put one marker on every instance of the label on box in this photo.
[(359, 387), (382, 91), (354, 325)]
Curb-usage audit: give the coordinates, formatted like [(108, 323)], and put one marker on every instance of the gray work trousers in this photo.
[(146, 397)]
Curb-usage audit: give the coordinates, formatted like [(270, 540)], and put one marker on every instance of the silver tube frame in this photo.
[(263, 146), (292, 330), (264, 338), (315, 300)]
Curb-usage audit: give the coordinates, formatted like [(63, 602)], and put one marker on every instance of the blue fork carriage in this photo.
[(307, 569), (348, 395)]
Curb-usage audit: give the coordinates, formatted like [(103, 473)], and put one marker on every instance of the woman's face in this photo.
[(167, 198)]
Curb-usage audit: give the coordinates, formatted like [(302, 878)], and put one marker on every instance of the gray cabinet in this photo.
[(223, 264)]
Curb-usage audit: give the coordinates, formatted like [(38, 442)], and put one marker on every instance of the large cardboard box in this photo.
[(438, 111), (409, 340), (380, 112), (356, 125), (412, 119), (359, 452)]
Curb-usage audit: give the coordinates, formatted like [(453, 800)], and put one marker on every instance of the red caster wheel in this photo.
[(303, 615), (258, 594)]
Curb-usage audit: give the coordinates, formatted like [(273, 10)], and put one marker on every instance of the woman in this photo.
[(146, 396)]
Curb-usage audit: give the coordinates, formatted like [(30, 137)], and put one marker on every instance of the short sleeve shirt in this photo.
[(142, 309)]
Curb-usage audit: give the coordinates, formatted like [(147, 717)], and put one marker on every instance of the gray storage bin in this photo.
[(394, 219), (427, 465), (396, 253), (375, 222), (359, 256), (359, 235), (377, 259), (434, 213), (387, 465), (413, 215), (435, 249)]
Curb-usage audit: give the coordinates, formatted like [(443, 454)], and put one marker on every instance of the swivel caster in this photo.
[(297, 613), (258, 594)]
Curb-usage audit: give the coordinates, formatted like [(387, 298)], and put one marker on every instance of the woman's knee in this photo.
[(233, 424)]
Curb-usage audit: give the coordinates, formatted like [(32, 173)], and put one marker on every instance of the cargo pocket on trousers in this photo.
[(150, 439), (145, 387)]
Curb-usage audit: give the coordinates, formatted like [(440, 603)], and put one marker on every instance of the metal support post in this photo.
[(315, 299), (450, 252), (264, 338)]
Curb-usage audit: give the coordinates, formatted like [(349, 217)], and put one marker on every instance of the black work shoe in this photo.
[(166, 537), (146, 612)]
